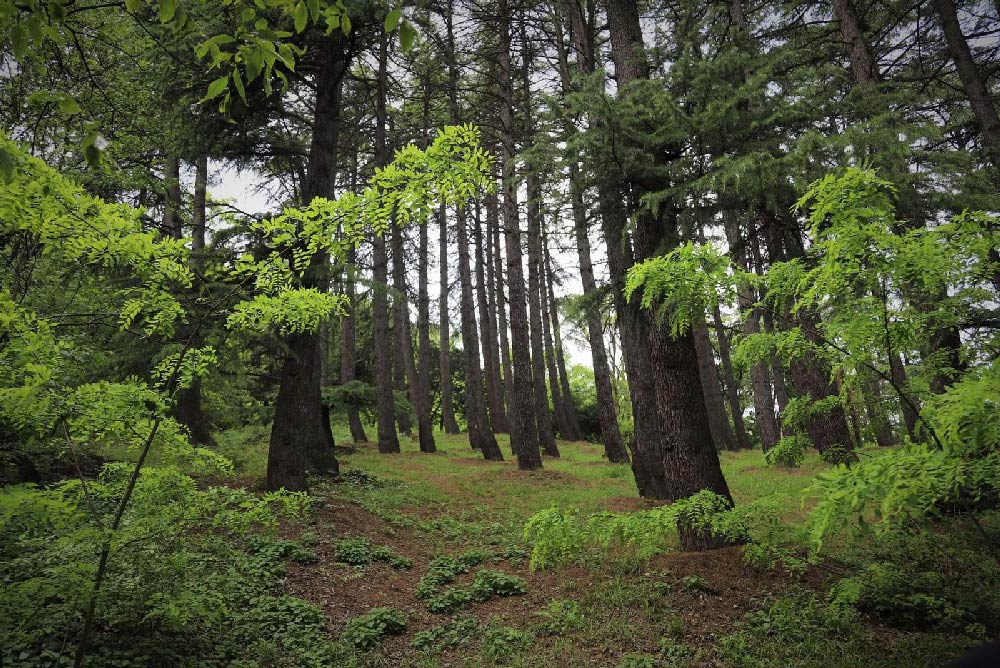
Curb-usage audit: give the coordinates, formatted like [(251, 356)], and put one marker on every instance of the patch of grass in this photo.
[(560, 617)]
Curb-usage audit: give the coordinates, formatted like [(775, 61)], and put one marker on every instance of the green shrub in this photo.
[(453, 634), (451, 599), (360, 551), (560, 617), (367, 631), (788, 452), (489, 583), (505, 641)]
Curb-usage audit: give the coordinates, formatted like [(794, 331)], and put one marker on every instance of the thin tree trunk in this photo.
[(732, 387), (550, 314), (349, 344), (424, 360), (404, 339), (558, 402), (501, 303), (385, 408), (493, 265), (448, 422), (715, 407), (172, 197), (523, 428), (188, 410), (881, 429), (491, 367)]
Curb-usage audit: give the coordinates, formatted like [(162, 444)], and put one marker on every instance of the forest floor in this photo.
[(672, 610)]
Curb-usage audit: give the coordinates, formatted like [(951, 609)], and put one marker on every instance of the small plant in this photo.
[(496, 583), (443, 570), (788, 452), (696, 584), (359, 551), (367, 631), (674, 654), (505, 641), (453, 634), (451, 599), (269, 548), (560, 617), (633, 660)]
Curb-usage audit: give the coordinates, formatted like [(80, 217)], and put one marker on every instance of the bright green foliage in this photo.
[(367, 631), (684, 282), (788, 452)]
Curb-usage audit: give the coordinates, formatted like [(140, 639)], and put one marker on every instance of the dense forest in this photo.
[(464, 333)]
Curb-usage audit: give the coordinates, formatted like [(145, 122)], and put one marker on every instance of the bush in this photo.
[(360, 551), (367, 631), (788, 452)]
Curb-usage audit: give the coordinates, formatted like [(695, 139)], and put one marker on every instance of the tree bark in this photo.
[(448, 422), (501, 304), (715, 407), (859, 51), (188, 409), (404, 340), (674, 456), (554, 349), (523, 429), (480, 436), (388, 441), (348, 345), (491, 365), (731, 385), (982, 103), (493, 296)]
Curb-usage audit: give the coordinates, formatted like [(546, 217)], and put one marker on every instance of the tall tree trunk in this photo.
[(763, 402), (731, 384), (349, 344), (715, 407), (501, 305), (982, 103), (188, 410), (674, 456), (172, 197), (404, 337), (480, 436), (881, 429), (583, 43), (385, 408), (491, 366), (493, 266), (448, 422), (558, 403), (400, 329), (554, 349), (523, 428), (299, 437), (424, 360)]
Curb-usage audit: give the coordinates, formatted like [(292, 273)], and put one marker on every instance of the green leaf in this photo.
[(19, 40), (392, 20), (6, 165), (216, 88), (167, 10), (255, 63), (301, 17), (406, 36), (93, 155), (345, 24), (238, 84), (68, 105), (133, 5)]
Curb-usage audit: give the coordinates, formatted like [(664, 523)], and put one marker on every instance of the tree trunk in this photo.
[(859, 51), (732, 387), (674, 456), (501, 305), (298, 434), (499, 338), (554, 349), (172, 197), (523, 429), (423, 386), (448, 422), (404, 340), (188, 409), (973, 82), (348, 345), (385, 408), (614, 446), (763, 402), (874, 409), (480, 436), (491, 365), (715, 407)]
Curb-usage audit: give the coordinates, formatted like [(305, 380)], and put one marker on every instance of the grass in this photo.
[(671, 611)]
